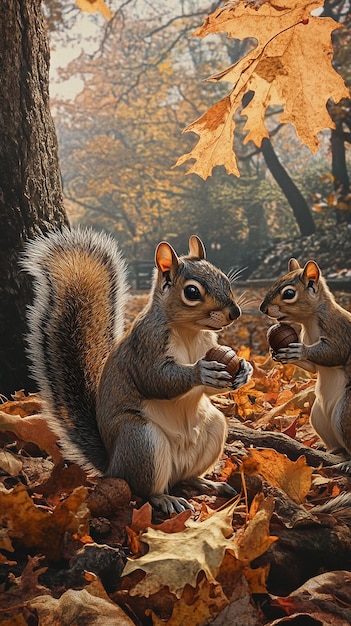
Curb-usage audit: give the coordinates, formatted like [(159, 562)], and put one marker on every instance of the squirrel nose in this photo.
[(234, 312)]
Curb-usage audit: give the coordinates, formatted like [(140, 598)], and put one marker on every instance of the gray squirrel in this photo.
[(302, 296), (133, 405)]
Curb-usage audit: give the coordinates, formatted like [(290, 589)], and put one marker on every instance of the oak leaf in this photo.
[(293, 477), (90, 605), (196, 606), (33, 428), (43, 531), (176, 559), (289, 67)]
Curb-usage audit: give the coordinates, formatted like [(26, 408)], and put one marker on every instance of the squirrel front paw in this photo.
[(244, 374), (214, 374), (292, 352)]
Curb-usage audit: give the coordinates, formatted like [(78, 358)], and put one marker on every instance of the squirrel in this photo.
[(131, 404), (302, 296)]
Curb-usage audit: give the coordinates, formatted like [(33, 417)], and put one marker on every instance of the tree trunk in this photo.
[(30, 184), (296, 200)]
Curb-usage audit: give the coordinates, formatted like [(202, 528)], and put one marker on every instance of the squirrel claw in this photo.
[(204, 484), (244, 374), (344, 466), (170, 504)]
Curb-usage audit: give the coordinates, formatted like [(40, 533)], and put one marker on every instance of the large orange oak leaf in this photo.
[(290, 67)]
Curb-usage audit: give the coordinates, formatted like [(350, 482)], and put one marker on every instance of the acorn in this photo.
[(225, 355), (280, 335)]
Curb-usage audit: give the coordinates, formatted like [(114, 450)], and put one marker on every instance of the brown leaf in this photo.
[(293, 477), (255, 539), (40, 530), (290, 67), (10, 463), (90, 605), (26, 586), (196, 606), (325, 599), (33, 428)]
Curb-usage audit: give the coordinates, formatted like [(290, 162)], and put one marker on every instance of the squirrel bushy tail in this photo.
[(76, 317)]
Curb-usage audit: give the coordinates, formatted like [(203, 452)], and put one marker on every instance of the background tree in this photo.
[(30, 185), (122, 135), (340, 201)]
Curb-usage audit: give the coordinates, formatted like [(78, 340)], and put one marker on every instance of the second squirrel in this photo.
[(302, 296), (131, 405)]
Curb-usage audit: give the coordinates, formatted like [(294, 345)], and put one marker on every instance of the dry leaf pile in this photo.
[(75, 551)]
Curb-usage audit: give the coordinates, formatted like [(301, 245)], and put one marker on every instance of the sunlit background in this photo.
[(122, 92)]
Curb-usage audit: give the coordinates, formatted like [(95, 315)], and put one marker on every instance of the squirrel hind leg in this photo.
[(141, 456)]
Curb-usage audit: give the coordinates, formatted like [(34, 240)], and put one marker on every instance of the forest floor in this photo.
[(79, 551)]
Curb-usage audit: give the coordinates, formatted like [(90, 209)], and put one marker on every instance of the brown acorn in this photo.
[(280, 335), (225, 355)]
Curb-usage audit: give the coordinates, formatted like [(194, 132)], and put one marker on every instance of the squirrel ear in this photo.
[(165, 257), (196, 247), (311, 272), (293, 265)]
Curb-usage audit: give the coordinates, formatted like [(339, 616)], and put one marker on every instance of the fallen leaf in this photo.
[(241, 609), (326, 599), (10, 463), (255, 539), (293, 477), (90, 605), (175, 560), (40, 530), (196, 606), (33, 428)]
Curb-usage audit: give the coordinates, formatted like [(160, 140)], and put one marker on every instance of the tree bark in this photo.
[(296, 200), (30, 184)]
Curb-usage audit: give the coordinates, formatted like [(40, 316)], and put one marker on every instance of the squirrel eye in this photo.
[(288, 293), (192, 292)]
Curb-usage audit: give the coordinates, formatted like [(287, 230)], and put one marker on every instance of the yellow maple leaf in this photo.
[(290, 66), (91, 6), (175, 560)]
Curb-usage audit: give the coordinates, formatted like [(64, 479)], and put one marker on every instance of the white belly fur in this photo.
[(195, 431)]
